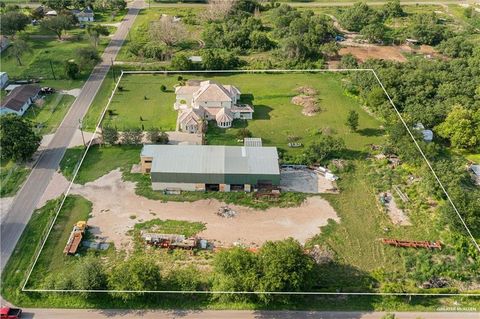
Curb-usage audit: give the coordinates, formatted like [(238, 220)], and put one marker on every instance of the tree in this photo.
[(72, 70), (214, 59), (17, 138), (134, 273), (109, 135), (426, 29), (244, 133), (352, 120), (90, 274), (218, 9), (324, 148), (57, 4), (260, 41), (58, 24), (285, 267), (181, 62), (456, 47), (132, 136), (167, 30), (18, 48), (374, 32), (88, 57), (12, 22), (348, 61), (392, 9), (157, 136), (461, 127), (94, 31), (356, 17), (236, 269)]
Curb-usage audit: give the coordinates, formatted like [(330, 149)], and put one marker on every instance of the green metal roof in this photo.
[(212, 159)]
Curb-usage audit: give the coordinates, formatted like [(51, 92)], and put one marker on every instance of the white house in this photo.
[(3, 79), (85, 15), (19, 99), (207, 100)]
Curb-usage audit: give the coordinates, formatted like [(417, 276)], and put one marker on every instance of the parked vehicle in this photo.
[(10, 313)]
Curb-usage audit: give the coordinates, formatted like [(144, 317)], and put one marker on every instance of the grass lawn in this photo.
[(12, 177), (52, 259), (142, 104), (50, 114), (98, 162), (37, 63)]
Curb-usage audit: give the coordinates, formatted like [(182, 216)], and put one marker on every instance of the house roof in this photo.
[(223, 116), (19, 96), (212, 92), (212, 159), (189, 116)]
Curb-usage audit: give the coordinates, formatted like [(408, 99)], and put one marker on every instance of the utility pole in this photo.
[(53, 72), (113, 72), (80, 126)]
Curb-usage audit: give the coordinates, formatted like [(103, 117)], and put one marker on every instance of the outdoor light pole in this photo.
[(80, 126), (113, 72)]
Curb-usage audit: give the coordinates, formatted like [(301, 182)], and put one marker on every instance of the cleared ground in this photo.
[(116, 209)]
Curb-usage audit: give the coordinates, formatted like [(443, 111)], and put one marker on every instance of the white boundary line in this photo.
[(245, 292)]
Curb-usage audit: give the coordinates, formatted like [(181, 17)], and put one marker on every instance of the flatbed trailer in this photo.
[(413, 244), (170, 241), (75, 238)]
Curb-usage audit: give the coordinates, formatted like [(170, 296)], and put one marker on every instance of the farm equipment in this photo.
[(10, 313), (170, 241), (413, 244), (75, 238)]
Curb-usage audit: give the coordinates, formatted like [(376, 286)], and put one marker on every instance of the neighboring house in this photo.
[(19, 99), (210, 167), (207, 100), (4, 42), (85, 15), (3, 79)]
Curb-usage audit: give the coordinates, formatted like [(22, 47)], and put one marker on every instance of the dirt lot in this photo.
[(116, 209), (393, 53)]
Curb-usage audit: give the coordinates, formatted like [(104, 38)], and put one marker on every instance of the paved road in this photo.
[(27, 198), (235, 314), (326, 4)]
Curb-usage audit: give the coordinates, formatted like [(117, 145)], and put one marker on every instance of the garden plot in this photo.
[(116, 209)]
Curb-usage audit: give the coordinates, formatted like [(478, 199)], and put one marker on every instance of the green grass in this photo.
[(49, 116), (99, 161), (180, 227), (12, 176), (52, 259), (142, 104), (37, 63)]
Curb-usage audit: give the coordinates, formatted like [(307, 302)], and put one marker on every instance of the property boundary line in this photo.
[(77, 168)]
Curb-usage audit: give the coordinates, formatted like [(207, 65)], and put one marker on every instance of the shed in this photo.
[(3, 79), (201, 167), (427, 135), (475, 169), (252, 142)]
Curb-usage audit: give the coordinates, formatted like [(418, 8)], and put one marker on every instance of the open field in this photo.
[(48, 115), (37, 63)]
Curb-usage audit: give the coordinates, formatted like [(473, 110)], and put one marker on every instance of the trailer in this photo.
[(413, 244), (10, 313), (170, 241), (75, 238)]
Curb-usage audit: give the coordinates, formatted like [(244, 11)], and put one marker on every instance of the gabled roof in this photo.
[(190, 116), (212, 92), (212, 159), (19, 96)]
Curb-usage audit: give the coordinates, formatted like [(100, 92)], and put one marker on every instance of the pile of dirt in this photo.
[(308, 102), (306, 90)]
